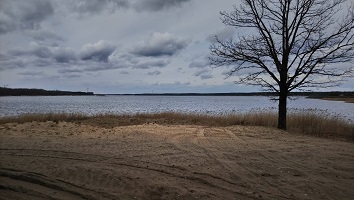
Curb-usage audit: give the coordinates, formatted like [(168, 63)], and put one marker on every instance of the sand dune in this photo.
[(63, 160)]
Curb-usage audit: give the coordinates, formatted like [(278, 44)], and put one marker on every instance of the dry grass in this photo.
[(320, 124), (309, 122), (44, 117)]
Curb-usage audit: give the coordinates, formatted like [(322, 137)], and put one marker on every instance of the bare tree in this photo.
[(288, 44)]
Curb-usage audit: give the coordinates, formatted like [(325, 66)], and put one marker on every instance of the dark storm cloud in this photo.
[(157, 5), (21, 15), (99, 51), (160, 44)]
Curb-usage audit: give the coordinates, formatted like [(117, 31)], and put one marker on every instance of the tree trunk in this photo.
[(282, 110)]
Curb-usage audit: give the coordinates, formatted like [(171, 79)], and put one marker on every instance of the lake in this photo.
[(12, 106)]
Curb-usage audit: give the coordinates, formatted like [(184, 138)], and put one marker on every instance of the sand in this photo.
[(64, 160)]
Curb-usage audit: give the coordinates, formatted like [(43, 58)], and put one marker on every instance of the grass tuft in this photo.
[(308, 122)]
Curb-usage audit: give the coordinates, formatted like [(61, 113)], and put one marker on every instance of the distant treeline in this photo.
[(325, 94), (38, 92)]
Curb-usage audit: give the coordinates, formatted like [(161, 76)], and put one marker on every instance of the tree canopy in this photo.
[(283, 45)]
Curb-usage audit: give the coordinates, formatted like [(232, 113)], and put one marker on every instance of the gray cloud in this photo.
[(64, 55), (200, 72), (72, 75), (157, 5), (199, 63), (11, 62), (54, 43), (15, 59), (70, 70), (59, 54), (22, 15), (154, 73), (30, 73), (87, 66), (84, 7), (128, 60), (160, 44), (206, 76), (224, 34), (101, 67), (124, 72), (41, 52), (47, 37), (40, 62), (99, 51), (203, 74), (147, 64)]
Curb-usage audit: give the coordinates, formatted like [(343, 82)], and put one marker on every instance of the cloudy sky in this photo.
[(114, 46)]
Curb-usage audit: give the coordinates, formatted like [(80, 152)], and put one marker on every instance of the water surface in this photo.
[(12, 106)]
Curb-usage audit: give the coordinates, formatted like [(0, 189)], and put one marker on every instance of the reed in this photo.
[(320, 123), (39, 117), (309, 122)]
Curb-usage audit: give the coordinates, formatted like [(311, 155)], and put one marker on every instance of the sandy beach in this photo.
[(62, 160)]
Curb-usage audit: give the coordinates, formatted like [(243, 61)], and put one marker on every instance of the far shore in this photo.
[(345, 99)]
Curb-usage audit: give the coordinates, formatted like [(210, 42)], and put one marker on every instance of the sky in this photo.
[(115, 46)]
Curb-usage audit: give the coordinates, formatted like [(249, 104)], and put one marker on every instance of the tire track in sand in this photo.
[(75, 176), (286, 165), (41, 186), (247, 178)]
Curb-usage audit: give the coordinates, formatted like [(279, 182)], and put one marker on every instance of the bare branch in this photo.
[(295, 43)]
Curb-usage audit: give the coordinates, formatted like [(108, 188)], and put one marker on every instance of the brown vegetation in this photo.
[(310, 122)]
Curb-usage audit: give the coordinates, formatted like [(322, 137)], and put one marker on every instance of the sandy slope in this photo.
[(78, 161)]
